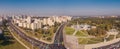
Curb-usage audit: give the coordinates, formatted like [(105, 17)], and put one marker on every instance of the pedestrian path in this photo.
[(75, 32), (19, 40)]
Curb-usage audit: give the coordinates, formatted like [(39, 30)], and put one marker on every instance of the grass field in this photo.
[(118, 36), (9, 42), (110, 37), (41, 35), (11, 45), (69, 30), (89, 40), (83, 36), (81, 33)]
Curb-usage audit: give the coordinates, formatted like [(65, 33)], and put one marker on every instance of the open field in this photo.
[(69, 30), (81, 33), (9, 42), (89, 40), (11, 45)]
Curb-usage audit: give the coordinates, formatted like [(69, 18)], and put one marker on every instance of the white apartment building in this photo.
[(56, 19), (20, 24), (1, 20), (61, 18), (37, 23), (24, 25), (32, 26), (50, 22), (28, 25), (28, 19), (82, 27), (44, 21)]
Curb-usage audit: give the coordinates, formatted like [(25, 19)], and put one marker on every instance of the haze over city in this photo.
[(59, 7)]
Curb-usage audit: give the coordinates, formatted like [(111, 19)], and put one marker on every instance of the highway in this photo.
[(111, 46), (57, 42)]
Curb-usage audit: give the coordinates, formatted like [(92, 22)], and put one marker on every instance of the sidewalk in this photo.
[(75, 32)]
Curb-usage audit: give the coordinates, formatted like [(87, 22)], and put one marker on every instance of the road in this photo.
[(57, 42), (19, 41), (111, 46)]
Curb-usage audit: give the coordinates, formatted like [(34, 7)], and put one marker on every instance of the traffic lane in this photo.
[(59, 35), (40, 46), (112, 46), (56, 47), (32, 41)]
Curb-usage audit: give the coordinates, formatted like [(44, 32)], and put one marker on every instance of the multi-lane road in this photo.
[(111, 46), (57, 41)]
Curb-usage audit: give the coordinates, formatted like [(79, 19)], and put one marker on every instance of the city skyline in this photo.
[(60, 7)]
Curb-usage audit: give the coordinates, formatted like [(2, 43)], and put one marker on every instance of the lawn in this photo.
[(9, 42), (89, 40), (95, 40), (11, 45), (83, 40), (118, 36), (92, 42), (69, 30), (111, 37), (45, 35), (81, 33)]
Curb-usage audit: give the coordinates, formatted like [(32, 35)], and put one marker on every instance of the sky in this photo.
[(60, 7)]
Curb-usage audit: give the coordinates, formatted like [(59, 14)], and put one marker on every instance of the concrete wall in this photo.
[(70, 42), (70, 45)]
